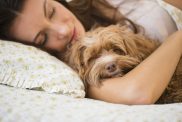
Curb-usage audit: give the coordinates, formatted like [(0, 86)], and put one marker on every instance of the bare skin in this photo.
[(146, 83), (52, 25), (143, 85), (176, 3)]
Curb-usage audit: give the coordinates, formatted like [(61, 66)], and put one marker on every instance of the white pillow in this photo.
[(28, 67)]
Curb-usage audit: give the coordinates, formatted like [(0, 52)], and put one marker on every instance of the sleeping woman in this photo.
[(52, 25)]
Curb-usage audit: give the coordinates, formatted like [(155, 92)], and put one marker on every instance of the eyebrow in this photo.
[(44, 10)]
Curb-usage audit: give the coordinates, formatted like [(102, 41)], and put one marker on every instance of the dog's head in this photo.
[(107, 52)]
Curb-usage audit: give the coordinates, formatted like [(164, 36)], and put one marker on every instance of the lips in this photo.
[(73, 35), (73, 38)]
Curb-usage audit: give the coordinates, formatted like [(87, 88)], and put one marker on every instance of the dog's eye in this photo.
[(119, 51), (90, 60)]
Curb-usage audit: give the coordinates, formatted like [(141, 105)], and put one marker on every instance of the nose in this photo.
[(61, 31), (111, 67)]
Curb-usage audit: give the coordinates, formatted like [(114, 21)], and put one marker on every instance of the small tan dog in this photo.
[(113, 51), (108, 52)]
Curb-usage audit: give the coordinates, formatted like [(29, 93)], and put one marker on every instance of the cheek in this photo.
[(66, 15), (58, 46)]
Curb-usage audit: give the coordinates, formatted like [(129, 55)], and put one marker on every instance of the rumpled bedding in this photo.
[(23, 105)]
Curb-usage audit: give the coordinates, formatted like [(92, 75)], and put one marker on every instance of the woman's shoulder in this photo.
[(156, 21)]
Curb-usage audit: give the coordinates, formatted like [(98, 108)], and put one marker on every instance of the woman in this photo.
[(53, 26)]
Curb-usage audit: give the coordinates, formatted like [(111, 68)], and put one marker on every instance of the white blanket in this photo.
[(20, 105)]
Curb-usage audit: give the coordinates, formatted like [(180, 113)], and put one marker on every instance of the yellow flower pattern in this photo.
[(20, 105), (28, 67)]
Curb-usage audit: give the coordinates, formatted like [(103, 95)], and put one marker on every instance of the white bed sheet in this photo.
[(21, 105)]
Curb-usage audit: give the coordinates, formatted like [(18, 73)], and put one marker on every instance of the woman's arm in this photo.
[(145, 83)]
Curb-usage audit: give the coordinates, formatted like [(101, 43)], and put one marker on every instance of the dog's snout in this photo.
[(111, 67)]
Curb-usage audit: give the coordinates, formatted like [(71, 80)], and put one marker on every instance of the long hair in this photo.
[(91, 13), (8, 12)]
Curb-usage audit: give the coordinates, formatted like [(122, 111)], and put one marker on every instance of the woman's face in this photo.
[(47, 23)]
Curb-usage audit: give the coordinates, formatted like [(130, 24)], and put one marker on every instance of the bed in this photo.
[(23, 105), (33, 89), (53, 92)]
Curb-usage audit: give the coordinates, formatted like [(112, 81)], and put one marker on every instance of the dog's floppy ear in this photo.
[(92, 50), (73, 57), (129, 43), (138, 45), (146, 45)]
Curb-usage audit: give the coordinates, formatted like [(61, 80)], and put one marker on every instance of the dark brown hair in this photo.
[(98, 13), (8, 12), (91, 13)]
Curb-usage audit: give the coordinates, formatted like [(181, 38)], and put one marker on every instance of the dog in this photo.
[(113, 51), (108, 52)]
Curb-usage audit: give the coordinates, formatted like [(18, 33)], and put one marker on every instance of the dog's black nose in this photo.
[(111, 67)]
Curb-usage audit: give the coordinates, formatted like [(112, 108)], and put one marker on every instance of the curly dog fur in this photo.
[(112, 51)]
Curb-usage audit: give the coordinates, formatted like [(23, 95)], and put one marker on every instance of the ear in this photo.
[(92, 76), (139, 46), (129, 44), (145, 45), (91, 53), (92, 46), (73, 57)]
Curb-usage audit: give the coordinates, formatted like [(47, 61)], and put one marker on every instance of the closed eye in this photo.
[(43, 43), (93, 59), (51, 13), (49, 10), (119, 51), (90, 60)]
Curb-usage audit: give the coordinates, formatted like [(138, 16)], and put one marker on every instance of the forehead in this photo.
[(106, 58), (28, 22)]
